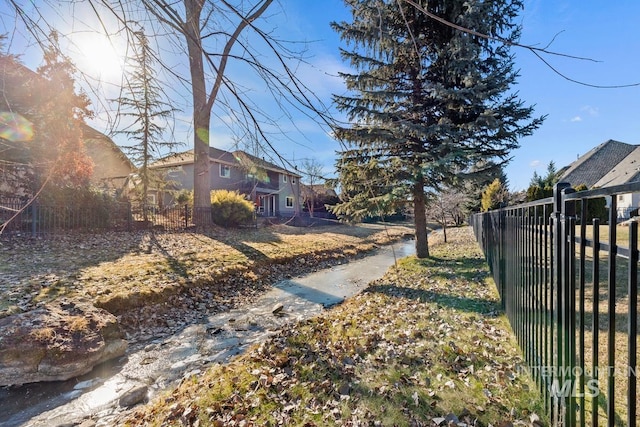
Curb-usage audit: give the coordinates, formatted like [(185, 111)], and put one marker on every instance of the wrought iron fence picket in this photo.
[(539, 255)]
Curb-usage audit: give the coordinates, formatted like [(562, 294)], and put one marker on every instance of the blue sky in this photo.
[(578, 117)]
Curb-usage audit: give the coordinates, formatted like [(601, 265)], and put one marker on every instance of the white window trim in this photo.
[(287, 199), (284, 178), (223, 167)]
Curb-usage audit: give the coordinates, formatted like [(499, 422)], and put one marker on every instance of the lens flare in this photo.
[(14, 127)]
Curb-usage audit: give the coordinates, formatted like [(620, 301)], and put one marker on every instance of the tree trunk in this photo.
[(201, 116), (443, 221), (420, 220)]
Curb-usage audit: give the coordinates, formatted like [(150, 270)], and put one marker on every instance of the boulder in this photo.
[(56, 342), (133, 396)]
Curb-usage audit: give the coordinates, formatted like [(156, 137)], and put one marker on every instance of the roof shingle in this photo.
[(591, 168)]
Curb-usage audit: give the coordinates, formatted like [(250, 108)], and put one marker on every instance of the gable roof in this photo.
[(97, 144), (247, 159), (22, 90), (591, 168), (318, 190), (236, 158), (628, 170)]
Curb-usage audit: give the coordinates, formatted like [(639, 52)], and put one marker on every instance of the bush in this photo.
[(184, 197), (230, 208), (596, 208), (494, 195), (71, 207)]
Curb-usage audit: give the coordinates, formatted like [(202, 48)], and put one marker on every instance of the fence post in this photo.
[(502, 260), (569, 304), (558, 404)]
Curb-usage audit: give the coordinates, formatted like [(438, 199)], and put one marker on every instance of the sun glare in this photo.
[(99, 56)]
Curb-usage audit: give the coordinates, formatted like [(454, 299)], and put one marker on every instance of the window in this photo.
[(293, 180), (225, 171), (284, 178), (289, 201)]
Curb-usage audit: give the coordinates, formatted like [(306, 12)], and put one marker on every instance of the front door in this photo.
[(267, 205)]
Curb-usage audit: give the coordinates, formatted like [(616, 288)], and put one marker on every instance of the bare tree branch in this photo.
[(537, 51)]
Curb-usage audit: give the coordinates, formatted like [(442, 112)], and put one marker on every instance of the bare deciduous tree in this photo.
[(312, 169), (212, 34), (447, 208)]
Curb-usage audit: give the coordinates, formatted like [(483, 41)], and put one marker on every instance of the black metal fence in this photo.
[(34, 219), (569, 286)]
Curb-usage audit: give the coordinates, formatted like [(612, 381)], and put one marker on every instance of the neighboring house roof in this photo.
[(97, 144), (318, 190), (22, 91), (628, 170), (236, 158), (591, 168)]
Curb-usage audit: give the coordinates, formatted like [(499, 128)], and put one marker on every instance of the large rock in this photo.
[(56, 342)]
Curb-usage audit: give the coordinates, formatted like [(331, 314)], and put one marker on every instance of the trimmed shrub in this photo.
[(230, 208)]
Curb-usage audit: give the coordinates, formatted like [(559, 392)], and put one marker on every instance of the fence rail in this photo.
[(35, 219), (569, 286), (20, 219)]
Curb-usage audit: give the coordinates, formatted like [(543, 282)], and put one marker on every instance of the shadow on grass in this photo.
[(51, 265), (482, 306), (361, 230), (454, 282), (175, 264), (239, 239)]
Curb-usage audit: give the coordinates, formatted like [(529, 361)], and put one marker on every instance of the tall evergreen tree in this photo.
[(474, 181), (62, 158), (142, 102), (41, 117), (427, 101), (541, 187)]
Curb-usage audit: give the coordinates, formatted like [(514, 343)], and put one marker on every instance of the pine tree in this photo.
[(427, 101), (62, 158), (541, 187), (142, 101)]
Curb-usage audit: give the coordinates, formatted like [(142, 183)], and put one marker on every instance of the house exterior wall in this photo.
[(635, 200), (110, 168), (231, 182), (289, 187), (627, 203), (181, 176), (270, 185)]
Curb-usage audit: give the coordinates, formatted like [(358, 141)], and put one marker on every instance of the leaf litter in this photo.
[(426, 345)]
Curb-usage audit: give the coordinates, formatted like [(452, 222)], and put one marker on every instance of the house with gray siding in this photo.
[(275, 191)]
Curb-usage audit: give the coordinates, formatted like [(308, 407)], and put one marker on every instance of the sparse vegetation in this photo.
[(43, 334), (425, 344), (78, 324), (119, 271)]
